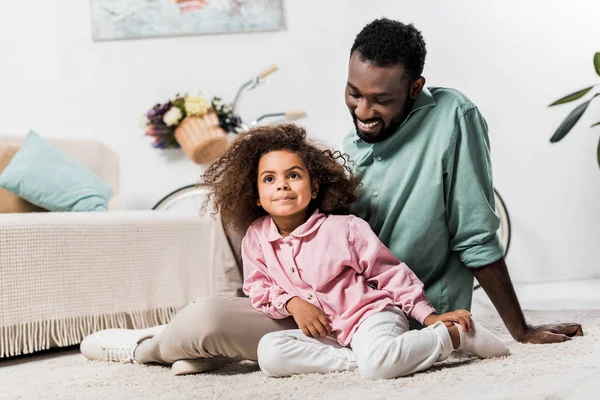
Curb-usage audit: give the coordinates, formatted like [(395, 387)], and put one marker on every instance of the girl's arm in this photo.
[(264, 293), (379, 265)]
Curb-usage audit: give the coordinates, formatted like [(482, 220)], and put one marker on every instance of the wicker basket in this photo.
[(201, 138)]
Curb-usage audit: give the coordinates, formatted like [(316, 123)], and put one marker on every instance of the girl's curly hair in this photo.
[(234, 175)]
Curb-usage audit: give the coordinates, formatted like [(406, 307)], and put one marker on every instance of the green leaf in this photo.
[(573, 96), (597, 62), (569, 122)]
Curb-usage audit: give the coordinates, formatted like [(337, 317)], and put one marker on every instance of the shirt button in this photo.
[(309, 297), (375, 193), (292, 269), (290, 244), (378, 158)]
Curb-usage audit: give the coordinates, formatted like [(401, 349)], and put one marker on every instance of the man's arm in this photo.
[(494, 279), (473, 225)]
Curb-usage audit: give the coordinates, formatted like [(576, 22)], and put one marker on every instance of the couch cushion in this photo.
[(10, 202), (45, 176)]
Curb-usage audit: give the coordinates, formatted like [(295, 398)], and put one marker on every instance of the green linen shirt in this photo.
[(428, 195)]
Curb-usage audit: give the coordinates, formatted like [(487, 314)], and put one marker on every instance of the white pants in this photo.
[(382, 347)]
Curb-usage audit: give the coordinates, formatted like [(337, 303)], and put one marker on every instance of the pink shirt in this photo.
[(328, 261)]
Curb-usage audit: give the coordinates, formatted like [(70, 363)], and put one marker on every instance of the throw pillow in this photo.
[(9, 202), (45, 176)]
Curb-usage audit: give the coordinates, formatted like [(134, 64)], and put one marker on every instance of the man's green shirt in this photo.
[(428, 195)]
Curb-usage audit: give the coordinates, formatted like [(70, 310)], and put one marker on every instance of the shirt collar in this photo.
[(424, 100), (312, 224)]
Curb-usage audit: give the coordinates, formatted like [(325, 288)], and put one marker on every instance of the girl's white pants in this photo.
[(382, 347)]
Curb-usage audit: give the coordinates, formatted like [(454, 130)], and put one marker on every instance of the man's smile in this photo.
[(369, 128)]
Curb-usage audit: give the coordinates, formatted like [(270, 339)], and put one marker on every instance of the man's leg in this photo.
[(211, 327), (291, 352)]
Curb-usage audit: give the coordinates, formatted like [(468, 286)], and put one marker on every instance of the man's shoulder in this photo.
[(451, 99)]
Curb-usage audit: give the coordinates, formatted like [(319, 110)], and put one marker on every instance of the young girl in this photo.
[(305, 256)]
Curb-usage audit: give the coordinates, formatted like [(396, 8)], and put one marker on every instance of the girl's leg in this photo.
[(291, 352), (385, 348)]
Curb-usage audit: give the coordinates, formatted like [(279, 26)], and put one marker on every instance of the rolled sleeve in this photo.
[(469, 192), (422, 310)]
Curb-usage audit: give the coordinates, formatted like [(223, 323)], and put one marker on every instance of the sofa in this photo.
[(65, 275)]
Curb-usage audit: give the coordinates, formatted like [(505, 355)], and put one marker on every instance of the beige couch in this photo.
[(66, 275)]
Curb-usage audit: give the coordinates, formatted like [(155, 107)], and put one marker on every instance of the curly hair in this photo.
[(234, 175), (386, 42)]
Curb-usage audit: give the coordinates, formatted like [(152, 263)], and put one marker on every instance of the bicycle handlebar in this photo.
[(295, 114), (268, 71)]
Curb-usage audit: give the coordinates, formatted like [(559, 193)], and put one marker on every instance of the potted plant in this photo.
[(569, 122)]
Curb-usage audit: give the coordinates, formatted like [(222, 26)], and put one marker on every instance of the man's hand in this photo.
[(551, 333), (494, 279), (462, 317), (312, 320)]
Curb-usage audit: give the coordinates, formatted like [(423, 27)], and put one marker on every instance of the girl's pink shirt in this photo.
[(328, 261)]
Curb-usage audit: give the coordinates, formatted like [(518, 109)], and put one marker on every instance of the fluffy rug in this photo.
[(564, 371)]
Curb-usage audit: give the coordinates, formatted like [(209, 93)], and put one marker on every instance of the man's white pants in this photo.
[(382, 347)]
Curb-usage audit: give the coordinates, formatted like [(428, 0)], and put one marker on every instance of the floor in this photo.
[(572, 295), (532, 372)]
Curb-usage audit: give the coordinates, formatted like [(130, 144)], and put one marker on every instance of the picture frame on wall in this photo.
[(135, 19)]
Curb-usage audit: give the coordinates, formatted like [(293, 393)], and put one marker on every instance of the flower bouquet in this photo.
[(193, 123)]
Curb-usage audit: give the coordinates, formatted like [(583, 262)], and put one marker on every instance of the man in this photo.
[(423, 156), (424, 159)]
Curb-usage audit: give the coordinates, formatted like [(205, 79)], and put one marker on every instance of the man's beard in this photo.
[(386, 131)]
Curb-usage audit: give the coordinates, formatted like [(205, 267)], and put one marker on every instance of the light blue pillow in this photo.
[(45, 176)]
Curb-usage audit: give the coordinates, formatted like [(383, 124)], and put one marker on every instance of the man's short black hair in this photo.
[(386, 42)]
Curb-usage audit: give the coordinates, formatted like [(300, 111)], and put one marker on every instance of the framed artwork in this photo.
[(132, 19)]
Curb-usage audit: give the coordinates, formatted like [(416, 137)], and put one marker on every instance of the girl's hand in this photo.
[(462, 317), (310, 319)]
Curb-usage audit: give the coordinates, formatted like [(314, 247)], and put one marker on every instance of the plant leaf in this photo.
[(597, 62), (573, 96), (596, 124), (570, 121)]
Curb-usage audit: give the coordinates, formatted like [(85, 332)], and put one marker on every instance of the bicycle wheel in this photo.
[(188, 199), (504, 230)]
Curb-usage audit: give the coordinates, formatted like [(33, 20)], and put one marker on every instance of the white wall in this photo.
[(511, 57)]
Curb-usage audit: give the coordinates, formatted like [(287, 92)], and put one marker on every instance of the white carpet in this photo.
[(566, 371)]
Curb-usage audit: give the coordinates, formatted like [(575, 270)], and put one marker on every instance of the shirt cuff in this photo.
[(422, 310), (483, 254), (281, 301)]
